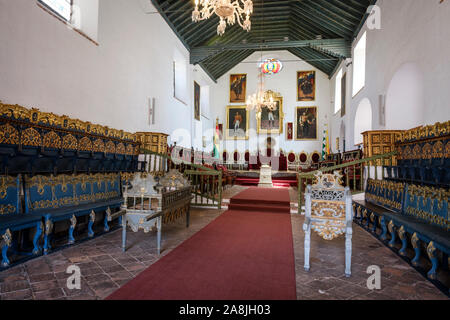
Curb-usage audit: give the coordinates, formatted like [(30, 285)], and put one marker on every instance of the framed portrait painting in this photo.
[(237, 125), (271, 121), (196, 101), (289, 131), (238, 88), (306, 85), (306, 125)]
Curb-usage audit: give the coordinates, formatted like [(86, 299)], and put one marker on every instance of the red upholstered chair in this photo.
[(246, 160), (282, 161), (315, 159), (292, 161), (236, 156)]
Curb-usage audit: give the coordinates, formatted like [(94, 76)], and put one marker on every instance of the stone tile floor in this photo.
[(104, 267)]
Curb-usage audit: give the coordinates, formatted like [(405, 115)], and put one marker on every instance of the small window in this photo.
[(359, 65), (180, 79), (63, 8), (338, 93)]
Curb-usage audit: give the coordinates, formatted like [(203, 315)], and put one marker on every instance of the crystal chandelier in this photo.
[(261, 99), (228, 11)]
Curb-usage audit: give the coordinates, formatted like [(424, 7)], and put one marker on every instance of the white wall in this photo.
[(45, 64), (414, 38), (285, 84)]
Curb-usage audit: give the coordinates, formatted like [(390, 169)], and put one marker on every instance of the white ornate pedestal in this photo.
[(265, 177)]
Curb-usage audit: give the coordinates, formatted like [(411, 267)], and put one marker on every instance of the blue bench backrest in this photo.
[(49, 192), (10, 195), (113, 185), (385, 193), (39, 193), (428, 204), (83, 188)]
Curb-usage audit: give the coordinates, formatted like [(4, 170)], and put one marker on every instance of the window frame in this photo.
[(53, 11), (356, 64), (338, 82)]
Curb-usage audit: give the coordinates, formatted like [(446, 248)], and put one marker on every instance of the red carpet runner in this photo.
[(241, 255)]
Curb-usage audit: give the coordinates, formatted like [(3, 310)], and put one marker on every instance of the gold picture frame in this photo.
[(277, 114), (241, 114), (306, 85), (309, 131), (238, 88)]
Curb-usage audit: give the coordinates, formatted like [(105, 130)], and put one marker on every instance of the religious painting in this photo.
[(238, 88), (306, 123), (237, 126), (343, 93), (289, 131), (306, 86), (271, 121), (196, 101)]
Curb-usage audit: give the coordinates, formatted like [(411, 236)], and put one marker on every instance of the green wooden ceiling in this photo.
[(319, 32)]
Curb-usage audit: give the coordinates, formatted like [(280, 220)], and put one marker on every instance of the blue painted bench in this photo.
[(12, 218), (410, 213), (68, 197)]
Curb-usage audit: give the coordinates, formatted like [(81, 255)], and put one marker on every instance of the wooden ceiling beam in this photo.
[(198, 54)]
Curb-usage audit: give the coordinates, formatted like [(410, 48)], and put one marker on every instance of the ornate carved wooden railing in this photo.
[(350, 170), (207, 183)]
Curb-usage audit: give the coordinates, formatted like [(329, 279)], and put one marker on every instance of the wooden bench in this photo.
[(68, 197), (414, 214), (12, 218)]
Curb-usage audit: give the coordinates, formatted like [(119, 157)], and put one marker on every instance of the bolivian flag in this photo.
[(325, 143)]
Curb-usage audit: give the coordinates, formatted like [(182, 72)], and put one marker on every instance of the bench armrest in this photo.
[(117, 214), (153, 216)]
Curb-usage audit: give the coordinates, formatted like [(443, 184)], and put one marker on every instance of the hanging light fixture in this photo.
[(228, 11), (261, 99)]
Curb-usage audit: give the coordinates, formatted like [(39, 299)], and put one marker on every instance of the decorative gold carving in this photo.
[(415, 240), (130, 149), (6, 182), (8, 134), (48, 227), (73, 221), (85, 144), (92, 216), (7, 209), (427, 151), (391, 226), (431, 131), (50, 119), (402, 233), (6, 239), (99, 145), (438, 150), (52, 140), (108, 214), (431, 250), (70, 142), (110, 147), (30, 137), (120, 148)]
